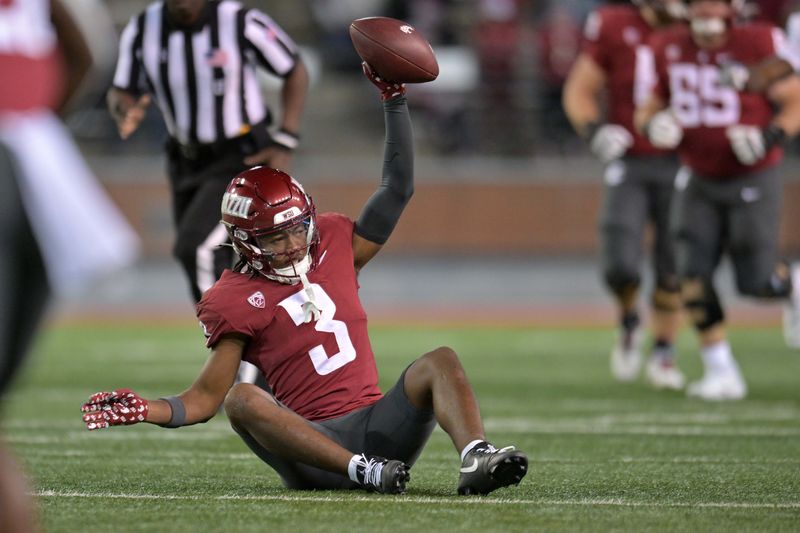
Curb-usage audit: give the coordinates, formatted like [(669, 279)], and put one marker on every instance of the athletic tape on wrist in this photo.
[(286, 139), (178, 417)]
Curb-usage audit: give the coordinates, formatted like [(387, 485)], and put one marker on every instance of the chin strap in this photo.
[(311, 309)]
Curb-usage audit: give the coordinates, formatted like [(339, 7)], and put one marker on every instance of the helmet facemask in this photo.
[(256, 248), (713, 27), (297, 261)]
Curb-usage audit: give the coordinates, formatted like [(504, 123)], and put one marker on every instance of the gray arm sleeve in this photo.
[(383, 209)]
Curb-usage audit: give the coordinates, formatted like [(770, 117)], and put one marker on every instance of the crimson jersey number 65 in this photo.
[(323, 363), (698, 98)]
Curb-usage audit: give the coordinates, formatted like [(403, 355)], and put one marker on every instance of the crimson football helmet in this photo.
[(261, 202), (667, 11)]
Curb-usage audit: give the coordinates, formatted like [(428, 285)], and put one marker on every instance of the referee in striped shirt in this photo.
[(197, 59)]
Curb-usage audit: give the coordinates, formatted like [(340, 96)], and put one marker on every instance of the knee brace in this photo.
[(667, 293), (702, 303)]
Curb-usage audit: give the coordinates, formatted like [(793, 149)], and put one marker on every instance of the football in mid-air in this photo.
[(394, 49)]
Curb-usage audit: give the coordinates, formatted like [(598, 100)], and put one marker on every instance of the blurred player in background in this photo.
[(50, 205), (198, 59), (638, 182), (729, 191), (291, 307)]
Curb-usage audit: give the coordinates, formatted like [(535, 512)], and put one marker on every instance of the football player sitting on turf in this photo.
[(291, 308)]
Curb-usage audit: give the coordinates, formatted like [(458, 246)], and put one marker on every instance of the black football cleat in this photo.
[(386, 476), (486, 469)]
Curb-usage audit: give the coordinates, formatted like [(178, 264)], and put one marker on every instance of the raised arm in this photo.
[(198, 403), (382, 211)]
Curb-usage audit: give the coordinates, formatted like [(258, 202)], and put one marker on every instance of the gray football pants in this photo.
[(740, 216), (638, 192)]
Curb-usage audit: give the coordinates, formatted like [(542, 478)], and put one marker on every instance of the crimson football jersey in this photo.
[(28, 56), (688, 78), (611, 38), (321, 369)]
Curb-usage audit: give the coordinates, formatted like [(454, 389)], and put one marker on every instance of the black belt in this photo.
[(243, 144), (203, 151)]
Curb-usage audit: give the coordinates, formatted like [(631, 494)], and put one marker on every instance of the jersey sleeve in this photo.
[(782, 47), (645, 77), (217, 319), (128, 73), (273, 47), (793, 33), (594, 42), (654, 66)]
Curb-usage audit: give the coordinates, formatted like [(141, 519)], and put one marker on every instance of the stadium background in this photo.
[(505, 190)]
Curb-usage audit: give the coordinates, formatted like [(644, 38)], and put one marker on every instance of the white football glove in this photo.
[(664, 130), (610, 142), (748, 143)]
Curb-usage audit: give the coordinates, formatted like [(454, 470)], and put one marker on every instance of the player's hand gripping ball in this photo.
[(394, 50), (120, 407), (388, 89)]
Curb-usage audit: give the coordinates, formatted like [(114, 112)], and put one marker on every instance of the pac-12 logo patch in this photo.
[(257, 300)]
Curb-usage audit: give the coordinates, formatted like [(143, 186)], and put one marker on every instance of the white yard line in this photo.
[(422, 500), (166, 457), (602, 425)]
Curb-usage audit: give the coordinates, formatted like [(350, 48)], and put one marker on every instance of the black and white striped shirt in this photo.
[(204, 77)]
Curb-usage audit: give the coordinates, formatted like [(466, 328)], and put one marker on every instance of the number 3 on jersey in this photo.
[(698, 98), (323, 363)]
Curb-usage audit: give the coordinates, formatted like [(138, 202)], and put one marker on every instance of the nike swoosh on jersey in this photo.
[(471, 468)]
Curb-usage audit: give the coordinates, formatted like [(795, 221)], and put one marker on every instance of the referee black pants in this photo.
[(24, 289), (197, 189)]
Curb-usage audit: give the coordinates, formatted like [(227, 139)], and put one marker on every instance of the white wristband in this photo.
[(286, 139)]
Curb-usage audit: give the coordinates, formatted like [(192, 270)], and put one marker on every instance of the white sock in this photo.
[(718, 358), (471, 445), (351, 468)]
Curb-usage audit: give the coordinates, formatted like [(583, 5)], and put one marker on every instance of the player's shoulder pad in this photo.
[(615, 11), (759, 35), (756, 27), (331, 221), (235, 296), (673, 34), (608, 20)]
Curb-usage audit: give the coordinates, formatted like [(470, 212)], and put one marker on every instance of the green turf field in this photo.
[(603, 456)]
